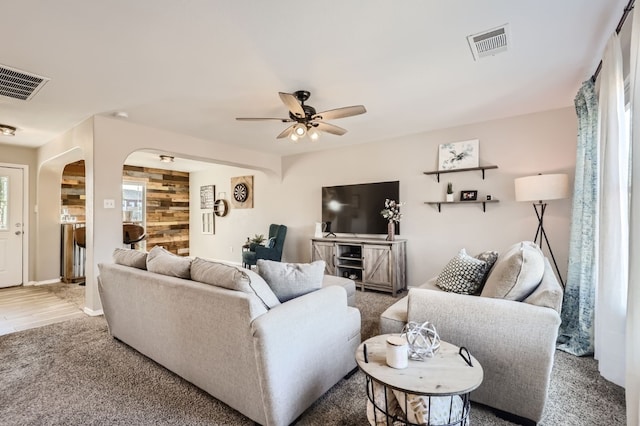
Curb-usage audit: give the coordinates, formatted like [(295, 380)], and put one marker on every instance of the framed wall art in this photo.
[(208, 223), (468, 195), (207, 196), (459, 155)]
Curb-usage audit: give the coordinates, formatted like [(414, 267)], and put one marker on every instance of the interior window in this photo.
[(134, 204)]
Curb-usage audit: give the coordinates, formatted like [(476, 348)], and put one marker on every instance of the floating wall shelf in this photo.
[(439, 203), (438, 172)]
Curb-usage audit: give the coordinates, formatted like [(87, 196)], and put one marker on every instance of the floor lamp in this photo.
[(541, 188)]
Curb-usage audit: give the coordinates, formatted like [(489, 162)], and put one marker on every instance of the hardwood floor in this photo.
[(22, 308)]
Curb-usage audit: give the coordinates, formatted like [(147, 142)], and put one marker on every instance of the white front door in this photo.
[(11, 226)]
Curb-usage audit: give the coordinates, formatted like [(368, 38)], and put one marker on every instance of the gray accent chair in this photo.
[(515, 342)]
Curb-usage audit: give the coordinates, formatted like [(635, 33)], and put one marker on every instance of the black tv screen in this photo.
[(355, 209)]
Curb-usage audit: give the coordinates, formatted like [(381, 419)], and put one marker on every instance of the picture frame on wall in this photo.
[(468, 195), (459, 155), (208, 224), (207, 196)]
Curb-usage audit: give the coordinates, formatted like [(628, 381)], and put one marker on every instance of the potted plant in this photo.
[(258, 239), (449, 192)]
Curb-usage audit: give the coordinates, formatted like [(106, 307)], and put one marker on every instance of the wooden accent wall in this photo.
[(167, 207), (167, 202), (73, 190)]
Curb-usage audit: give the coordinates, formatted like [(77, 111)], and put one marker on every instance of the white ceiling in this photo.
[(192, 66)]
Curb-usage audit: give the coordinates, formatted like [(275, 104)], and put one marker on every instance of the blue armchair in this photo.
[(271, 251)]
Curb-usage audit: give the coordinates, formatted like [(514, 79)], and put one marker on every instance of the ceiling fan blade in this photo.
[(332, 114), (284, 120), (329, 128), (286, 132), (292, 103)]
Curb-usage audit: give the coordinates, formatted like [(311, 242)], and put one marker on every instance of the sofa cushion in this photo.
[(162, 261), (463, 274), (233, 278), (517, 272), (128, 257), (290, 280)]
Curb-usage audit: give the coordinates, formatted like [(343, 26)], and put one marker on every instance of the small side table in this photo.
[(245, 247), (447, 375)]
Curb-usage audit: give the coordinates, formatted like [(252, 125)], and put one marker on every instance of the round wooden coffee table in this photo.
[(423, 390)]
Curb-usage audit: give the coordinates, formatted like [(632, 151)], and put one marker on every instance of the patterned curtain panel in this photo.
[(576, 330)]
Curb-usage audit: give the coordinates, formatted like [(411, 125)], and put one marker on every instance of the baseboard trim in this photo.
[(93, 313), (45, 282)]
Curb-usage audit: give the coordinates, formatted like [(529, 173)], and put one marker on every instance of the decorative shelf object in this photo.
[(482, 168), (439, 203)]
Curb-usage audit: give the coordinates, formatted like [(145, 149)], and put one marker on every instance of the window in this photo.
[(133, 202)]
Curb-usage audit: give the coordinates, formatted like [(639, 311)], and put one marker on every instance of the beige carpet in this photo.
[(74, 373)]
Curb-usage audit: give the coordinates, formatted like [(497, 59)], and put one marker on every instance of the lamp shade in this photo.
[(542, 187)]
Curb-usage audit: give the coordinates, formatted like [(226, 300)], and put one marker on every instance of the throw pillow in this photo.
[(517, 272), (233, 278), (463, 274), (164, 262), (290, 280), (490, 258), (128, 257), (271, 243)]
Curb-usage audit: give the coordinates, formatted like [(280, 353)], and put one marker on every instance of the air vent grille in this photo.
[(18, 84), (489, 43)]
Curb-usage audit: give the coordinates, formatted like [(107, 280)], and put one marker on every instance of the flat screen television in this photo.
[(355, 209)]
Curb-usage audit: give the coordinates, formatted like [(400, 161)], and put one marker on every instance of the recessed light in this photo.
[(166, 158), (121, 114), (7, 130)]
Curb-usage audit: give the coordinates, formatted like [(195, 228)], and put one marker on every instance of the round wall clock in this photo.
[(240, 192)]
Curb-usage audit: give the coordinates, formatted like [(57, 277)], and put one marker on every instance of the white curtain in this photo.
[(633, 297), (613, 220)]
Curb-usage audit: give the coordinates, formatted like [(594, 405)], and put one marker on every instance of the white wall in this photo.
[(537, 143), (232, 230), (105, 143)]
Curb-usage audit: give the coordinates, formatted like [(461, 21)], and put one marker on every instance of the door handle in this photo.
[(18, 232)]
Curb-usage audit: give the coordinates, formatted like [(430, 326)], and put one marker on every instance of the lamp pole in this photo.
[(540, 208)]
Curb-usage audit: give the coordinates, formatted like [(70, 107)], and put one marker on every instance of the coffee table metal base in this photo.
[(382, 416)]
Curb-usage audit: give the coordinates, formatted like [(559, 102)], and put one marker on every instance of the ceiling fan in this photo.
[(305, 118)]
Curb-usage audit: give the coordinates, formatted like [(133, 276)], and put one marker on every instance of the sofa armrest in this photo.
[(303, 347), (513, 341)]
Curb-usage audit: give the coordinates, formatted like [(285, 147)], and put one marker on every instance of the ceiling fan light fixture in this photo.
[(314, 134), (166, 158), (294, 137), (7, 130), (300, 130)]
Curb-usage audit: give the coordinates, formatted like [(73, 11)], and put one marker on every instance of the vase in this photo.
[(449, 198), (391, 231)]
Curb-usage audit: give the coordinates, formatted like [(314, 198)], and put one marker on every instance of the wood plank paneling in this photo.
[(167, 202)]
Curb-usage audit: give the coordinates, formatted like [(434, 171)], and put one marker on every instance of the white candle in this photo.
[(397, 352)]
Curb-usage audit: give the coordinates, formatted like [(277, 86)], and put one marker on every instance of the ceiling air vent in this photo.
[(489, 43), (18, 84)]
